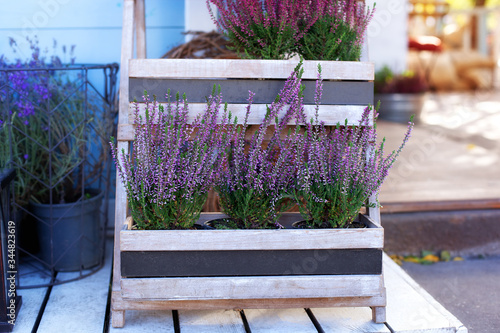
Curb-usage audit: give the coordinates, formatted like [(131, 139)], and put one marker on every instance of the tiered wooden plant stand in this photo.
[(260, 268)]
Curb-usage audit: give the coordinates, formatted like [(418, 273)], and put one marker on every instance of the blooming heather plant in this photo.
[(338, 32), (264, 29), (339, 169), (272, 29), (253, 187), (172, 164)]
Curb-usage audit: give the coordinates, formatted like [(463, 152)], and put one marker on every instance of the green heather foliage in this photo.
[(338, 169), (279, 29), (173, 163), (253, 187), (341, 45)]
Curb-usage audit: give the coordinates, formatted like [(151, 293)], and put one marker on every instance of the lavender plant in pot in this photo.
[(56, 131), (253, 186), (339, 168)]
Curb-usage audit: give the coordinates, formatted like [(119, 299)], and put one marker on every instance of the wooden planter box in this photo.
[(206, 265), (238, 269)]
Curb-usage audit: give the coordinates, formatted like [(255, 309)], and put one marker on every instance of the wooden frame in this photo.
[(141, 293)]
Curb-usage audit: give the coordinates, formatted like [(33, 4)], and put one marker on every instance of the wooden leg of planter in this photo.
[(378, 314), (118, 318)]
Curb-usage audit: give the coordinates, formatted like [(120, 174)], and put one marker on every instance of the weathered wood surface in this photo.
[(403, 315), (258, 303), (207, 288), (331, 115), (70, 302), (32, 299), (274, 320), (410, 309), (127, 53), (140, 28), (235, 91), (239, 68), (223, 240), (209, 321), (144, 322), (347, 320)]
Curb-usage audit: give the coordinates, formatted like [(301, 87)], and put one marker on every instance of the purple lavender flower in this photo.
[(254, 185), (338, 169), (173, 163)]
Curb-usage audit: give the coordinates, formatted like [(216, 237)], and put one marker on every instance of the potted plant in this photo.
[(280, 29), (55, 131), (338, 169), (401, 96), (174, 163), (155, 263), (254, 184)]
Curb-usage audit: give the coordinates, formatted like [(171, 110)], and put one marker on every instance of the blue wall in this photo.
[(93, 26)]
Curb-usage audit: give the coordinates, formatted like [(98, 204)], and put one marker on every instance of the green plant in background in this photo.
[(272, 29), (46, 113), (268, 29), (334, 44), (338, 32), (408, 82)]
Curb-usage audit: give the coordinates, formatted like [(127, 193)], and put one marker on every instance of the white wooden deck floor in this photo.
[(81, 306)]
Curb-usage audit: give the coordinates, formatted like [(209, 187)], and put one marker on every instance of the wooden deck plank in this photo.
[(32, 300), (79, 306), (275, 321), (145, 322), (410, 309), (347, 320), (208, 321)]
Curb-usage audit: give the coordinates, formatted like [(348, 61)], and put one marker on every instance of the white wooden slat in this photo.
[(222, 304), (127, 52), (206, 288), (140, 29), (146, 322), (329, 114), (220, 240), (121, 205), (277, 321), (79, 306), (410, 309), (31, 299), (208, 321), (347, 320), (239, 68)]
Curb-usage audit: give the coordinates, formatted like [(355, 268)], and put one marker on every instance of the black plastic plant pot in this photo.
[(70, 235)]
